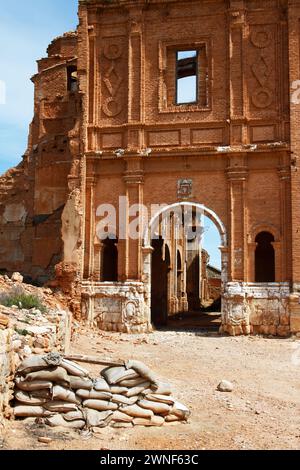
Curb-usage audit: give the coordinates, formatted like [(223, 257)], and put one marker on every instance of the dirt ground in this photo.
[(262, 412)]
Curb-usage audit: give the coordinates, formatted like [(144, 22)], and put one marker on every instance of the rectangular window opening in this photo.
[(186, 77)]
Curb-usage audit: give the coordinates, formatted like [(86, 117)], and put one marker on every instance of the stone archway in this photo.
[(148, 249)]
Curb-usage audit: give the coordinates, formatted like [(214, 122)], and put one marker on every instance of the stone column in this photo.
[(98, 247), (237, 180), (134, 181), (146, 278), (251, 261), (278, 261), (237, 34), (89, 228)]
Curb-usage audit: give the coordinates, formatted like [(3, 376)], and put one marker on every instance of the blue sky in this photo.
[(26, 29)]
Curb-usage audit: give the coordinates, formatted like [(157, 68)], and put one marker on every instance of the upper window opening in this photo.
[(72, 78), (186, 77)]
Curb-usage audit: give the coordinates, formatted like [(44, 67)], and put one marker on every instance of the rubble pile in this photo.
[(61, 393), (35, 330), (27, 331)]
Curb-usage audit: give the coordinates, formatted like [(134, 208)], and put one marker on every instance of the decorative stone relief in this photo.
[(112, 79), (262, 40), (184, 189)]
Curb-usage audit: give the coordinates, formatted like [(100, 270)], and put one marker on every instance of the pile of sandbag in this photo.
[(63, 394)]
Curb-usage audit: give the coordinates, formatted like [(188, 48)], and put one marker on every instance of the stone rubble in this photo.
[(61, 393), (24, 332)]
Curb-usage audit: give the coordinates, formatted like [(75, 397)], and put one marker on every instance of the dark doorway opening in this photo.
[(160, 282), (264, 258), (109, 265)]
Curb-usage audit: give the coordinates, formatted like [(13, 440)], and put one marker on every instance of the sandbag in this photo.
[(161, 398), (121, 399), (62, 394), (180, 410), (172, 418), (136, 411), (93, 395), (161, 388), (132, 382), (56, 374), (25, 398), (74, 369), (32, 386), (118, 416), (100, 405), (60, 407), (115, 375), (156, 407), (42, 394), (118, 390), (32, 364), (153, 421), (73, 415), (100, 385), (98, 419), (120, 425), (59, 421), (21, 411), (77, 383), (138, 390), (142, 370)]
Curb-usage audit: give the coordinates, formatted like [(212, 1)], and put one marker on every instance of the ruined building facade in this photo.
[(110, 121)]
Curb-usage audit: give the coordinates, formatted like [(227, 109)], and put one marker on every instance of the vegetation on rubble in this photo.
[(17, 297)]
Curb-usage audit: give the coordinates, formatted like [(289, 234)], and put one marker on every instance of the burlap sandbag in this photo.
[(21, 411), (115, 375), (142, 370), (119, 425), (32, 386), (62, 394), (118, 416), (162, 388), (138, 390), (161, 398), (73, 416), (74, 369), (77, 383), (59, 421), (60, 407), (32, 364), (122, 400), (136, 411), (132, 382), (153, 421), (93, 395), (97, 419), (115, 389), (156, 407), (42, 394), (100, 385), (100, 405), (26, 399), (56, 374), (180, 410), (171, 418)]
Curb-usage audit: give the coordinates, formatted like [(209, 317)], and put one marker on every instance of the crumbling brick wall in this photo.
[(33, 195)]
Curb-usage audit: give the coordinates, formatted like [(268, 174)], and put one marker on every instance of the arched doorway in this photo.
[(168, 283), (109, 261), (264, 258)]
